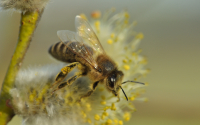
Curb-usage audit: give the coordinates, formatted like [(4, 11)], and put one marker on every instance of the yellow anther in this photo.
[(146, 83), (88, 106), (97, 117), (96, 14), (116, 121), (125, 60), (103, 97), (109, 122), (103, 102), (139, 36), (103, 117), (120, 122), (97, 25), (126, 67), (134, 54), (105, 113), (106, 108), (109, 41), (89, 121), (127, 116), (126, 21), (36, 73), (126, 14), (143, 61), (113, 107), (132, 98), (84, 115), (83, 16), (112, 35)]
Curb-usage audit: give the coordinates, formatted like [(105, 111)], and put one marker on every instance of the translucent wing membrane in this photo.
[(74, 42), (84, 30)]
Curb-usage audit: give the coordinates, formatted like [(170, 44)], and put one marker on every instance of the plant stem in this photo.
[(28, 23)]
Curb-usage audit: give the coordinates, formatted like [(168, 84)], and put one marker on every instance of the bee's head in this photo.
[(114, 82)]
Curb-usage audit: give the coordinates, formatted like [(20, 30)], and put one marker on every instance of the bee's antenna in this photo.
[(133, 81), (124, 93)]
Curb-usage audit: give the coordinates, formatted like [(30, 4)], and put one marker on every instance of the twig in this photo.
[(29, 21)]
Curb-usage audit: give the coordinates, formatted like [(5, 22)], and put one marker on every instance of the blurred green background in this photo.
[(171, 44)]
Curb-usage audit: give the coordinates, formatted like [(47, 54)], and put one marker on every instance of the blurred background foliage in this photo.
[(171, 43)]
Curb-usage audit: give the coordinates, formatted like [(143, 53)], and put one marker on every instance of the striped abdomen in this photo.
[(61, 52)]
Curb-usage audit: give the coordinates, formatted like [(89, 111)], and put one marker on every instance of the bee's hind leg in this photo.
[(90, 91), (68, 82), (64, 71)]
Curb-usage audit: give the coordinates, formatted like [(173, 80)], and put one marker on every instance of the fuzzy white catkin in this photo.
[(32, 98), (23, 5)]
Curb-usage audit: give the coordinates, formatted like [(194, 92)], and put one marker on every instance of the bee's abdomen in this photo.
[(61, 52)]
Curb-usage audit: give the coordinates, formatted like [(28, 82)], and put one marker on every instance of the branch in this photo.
[(29, 21)]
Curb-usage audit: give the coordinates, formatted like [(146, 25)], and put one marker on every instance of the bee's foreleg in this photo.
[(68, 82), (90, 91), (64, 71)]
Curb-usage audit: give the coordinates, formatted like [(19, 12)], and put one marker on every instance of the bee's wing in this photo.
[(84, 30), (74, 42)]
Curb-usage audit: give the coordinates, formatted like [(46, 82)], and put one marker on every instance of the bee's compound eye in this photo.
[(99, 70)]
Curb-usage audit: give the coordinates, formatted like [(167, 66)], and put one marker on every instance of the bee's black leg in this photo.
[(91, 91), (68, 82), (64, 71)]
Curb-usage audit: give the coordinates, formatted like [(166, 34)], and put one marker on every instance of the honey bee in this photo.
[(83, 49)]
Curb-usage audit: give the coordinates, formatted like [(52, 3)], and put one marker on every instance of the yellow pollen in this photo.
[(97, 117), (126, 14), (112, 35), (125, 60), (89, 121), (126, 21), (109, 41), (109, 122), (126, 67), (88, 106), (115, 121), (146, 83), (32, 96), (139, 36), (120, 122), (127, 116), (103, 117), (113, 107), (84, 115), (132, 98), (103, 102), (96, 14), (105, 113), (106, 108), (97, 25), (83, 16)]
